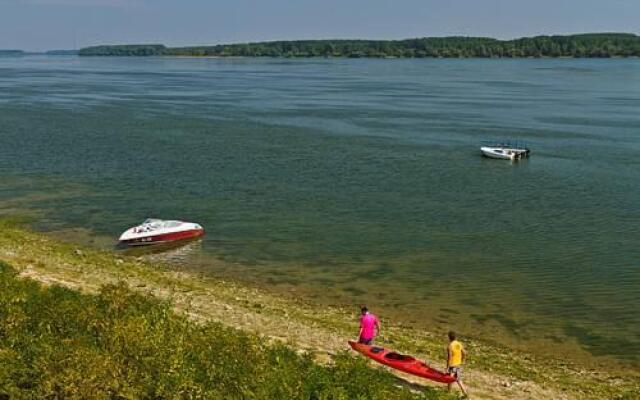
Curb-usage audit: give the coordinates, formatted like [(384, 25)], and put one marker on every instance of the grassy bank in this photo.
[(205, 337), (59, 343)]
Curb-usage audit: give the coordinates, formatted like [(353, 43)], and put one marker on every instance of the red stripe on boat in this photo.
[(166, 237)]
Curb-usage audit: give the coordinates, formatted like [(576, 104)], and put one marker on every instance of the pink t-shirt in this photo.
[(367, 324)]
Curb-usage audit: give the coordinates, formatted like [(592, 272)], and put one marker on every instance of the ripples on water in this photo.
[(358, 176)]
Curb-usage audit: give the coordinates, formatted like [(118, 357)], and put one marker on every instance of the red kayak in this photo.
[(401, 362)]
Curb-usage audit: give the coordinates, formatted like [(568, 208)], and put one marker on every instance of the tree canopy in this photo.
[(582, 45), (11, 52), (124, 50)]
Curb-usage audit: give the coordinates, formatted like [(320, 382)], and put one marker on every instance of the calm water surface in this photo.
[(353, 181)]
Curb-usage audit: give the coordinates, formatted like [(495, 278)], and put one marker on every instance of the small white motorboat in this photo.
[(153, 231), (505, 150)]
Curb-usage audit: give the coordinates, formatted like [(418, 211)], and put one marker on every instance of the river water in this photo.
[(356, 181)]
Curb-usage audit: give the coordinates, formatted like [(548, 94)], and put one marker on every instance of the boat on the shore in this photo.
[(154, 231), (505, 150), (401, 362)]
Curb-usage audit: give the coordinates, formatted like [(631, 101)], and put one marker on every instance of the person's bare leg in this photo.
[(464, 390), (448, 387)]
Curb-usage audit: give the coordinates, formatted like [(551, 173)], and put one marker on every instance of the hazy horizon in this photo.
[(40, 25)]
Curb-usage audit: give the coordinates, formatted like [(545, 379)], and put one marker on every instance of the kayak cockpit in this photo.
[(399, 357)]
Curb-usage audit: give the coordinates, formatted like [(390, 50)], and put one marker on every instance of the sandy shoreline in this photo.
[(492, 373)]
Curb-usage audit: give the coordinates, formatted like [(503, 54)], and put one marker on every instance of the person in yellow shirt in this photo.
[(456, 354)]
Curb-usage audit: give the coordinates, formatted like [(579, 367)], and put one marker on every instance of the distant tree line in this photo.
[(583, 45), (62, 52), (14, 53), (11, 53), (125, 50)]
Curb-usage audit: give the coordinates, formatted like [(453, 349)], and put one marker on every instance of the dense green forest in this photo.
[(583, 45), (56, 343)]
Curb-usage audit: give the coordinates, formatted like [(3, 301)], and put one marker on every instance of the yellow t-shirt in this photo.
[(455, 353)]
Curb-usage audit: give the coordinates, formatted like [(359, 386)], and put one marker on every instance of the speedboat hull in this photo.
[(504, 153), (164, 238), (159, 231)]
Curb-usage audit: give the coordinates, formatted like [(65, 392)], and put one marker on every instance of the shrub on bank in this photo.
[(58, 343)]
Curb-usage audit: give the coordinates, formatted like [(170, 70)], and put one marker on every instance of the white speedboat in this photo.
[(505, 151), (153, 231)]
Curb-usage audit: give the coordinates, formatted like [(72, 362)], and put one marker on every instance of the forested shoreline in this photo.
[(594, 45), (11, 53)]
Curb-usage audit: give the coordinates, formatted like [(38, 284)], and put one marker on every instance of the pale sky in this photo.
[(66, 24)]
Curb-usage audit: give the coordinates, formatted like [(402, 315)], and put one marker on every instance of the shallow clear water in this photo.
[(355, 181)]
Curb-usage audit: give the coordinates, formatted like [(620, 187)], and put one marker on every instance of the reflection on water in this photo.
[(177, 253)]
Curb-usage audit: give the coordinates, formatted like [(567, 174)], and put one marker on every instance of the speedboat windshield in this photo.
[(154, 223)]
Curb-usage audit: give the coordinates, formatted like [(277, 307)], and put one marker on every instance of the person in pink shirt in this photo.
[(369, 326)]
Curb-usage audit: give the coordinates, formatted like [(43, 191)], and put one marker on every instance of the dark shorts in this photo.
[(365, 341), (456, 372)]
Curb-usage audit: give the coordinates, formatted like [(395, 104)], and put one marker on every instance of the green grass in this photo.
[(238, 305), (59, 343)]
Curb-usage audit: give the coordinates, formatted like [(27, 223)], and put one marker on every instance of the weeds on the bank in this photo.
[(58, 343)]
